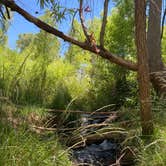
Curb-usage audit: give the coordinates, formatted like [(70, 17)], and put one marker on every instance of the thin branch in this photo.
[(84, 28), (43, 128), (162, 25), (90, 39), (2, 13), (46, 27), (8, 13), (72, 23), (104, 22)]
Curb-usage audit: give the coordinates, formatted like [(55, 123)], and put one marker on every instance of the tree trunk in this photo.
[(143, 68), (154, 36), (158, 75)]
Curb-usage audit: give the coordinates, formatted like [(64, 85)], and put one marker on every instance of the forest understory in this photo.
[(99, 100)]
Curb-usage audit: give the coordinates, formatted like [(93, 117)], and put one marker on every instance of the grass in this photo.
[(21, 147), (150, 151), (154, 153)]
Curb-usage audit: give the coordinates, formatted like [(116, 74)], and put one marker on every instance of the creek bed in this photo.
[(97, 154)]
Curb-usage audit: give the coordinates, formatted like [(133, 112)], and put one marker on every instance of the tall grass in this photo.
[(23, 148), (29, 81), (19, 146), (154, 152)]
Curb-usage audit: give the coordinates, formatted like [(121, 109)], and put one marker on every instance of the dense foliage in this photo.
[(37, 74)]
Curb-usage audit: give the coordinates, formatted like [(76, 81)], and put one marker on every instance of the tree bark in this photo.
[(143, 68), (154, 36)]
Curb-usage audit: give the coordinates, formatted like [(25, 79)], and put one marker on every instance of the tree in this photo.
[(24, 41), (100, 50), (154, 39), (121, 42), (164, 45), (109, 83), (143, 68), (154, 36)]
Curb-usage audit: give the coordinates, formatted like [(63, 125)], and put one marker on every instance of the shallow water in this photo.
[(102, 154)]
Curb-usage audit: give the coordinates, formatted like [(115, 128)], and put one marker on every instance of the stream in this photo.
[(99, 153)]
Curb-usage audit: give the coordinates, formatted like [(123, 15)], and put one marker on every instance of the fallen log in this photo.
[(158, 80), (117, 135)]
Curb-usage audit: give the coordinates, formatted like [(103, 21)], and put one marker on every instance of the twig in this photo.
[(128, 148), (104, 22), (44, 128), (117, 163), (72, 24)]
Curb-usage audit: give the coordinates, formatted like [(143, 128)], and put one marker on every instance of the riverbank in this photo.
[(22, 146)]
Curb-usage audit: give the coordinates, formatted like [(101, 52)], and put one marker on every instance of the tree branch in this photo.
[(118, 60), (104, 22), (2, 12), (83, 21), (90, 39), (42, 25)]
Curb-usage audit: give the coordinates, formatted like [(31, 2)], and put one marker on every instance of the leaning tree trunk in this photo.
[(154, 36), (157, 73), (143, 68)]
